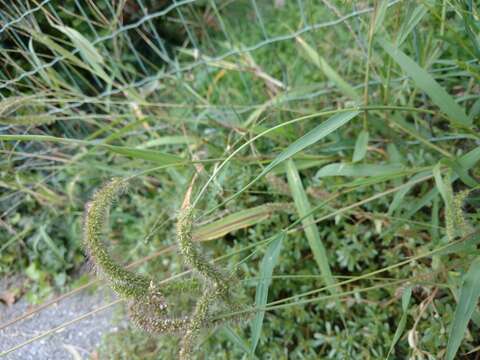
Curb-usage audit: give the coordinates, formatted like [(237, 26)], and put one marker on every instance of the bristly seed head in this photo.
[(148, 307)]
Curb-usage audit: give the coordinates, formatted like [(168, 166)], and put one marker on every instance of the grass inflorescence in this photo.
[(147, 300)]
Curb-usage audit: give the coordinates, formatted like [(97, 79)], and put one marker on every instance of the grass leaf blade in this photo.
[(311, 232), (310, 138), (361, 146), (428, 84), (329, 72), (261, 295), (88, 52), (238, 220), (407, 295), (467, 302), (359, 170), (412, 20), (234, 338)]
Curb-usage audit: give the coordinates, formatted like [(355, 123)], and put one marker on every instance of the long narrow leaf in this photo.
[(407, 294), (88, 52), (359, 170), (154, 156), (313, 136), (261, 295), (310, 138), (329, 72), (411, 21), (311, 232), (237, 340), (238, 220), (428, 84), (361, 146), (467, 303)]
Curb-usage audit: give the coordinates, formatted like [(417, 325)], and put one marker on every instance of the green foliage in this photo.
[(159, 91)]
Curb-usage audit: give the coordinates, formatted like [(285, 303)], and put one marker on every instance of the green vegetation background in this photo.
[(156, 100)]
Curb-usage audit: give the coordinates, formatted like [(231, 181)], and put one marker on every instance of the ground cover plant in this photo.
[(303, 176)]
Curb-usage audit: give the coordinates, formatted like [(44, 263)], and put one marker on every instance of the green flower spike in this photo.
[(455, 221), (219, 285), (147, 302)]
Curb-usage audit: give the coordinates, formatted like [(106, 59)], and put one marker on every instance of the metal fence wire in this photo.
[(97, 50)]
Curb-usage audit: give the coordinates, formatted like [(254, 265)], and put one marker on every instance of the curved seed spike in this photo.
[(220, 287), (148, 319), (147, 303), (190, 251), (455, 222), (199, 320), (123, 281), (449, 213)]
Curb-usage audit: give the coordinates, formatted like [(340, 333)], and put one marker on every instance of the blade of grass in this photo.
[(413, 19), (154, 156), (88, 52), (48, 240), (157, 157), (169, 140), (54, 46), (358, 170), (398, 199), (311, 231), (461, 172), (237, 340), (407, 294), (361, 145), (467, 303), (238, 220), (428, 84), (302, 164), (38, 63), (380, 16), (313, 136), (269, 261)]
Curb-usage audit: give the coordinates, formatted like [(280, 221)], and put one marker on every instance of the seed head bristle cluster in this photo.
[(24, 110), (147, 300), (455, 222), (218, 285)]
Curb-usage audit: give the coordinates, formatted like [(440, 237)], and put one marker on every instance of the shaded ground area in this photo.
[(79, 338)]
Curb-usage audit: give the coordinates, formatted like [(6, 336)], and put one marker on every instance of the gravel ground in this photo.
[(81, 337)]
